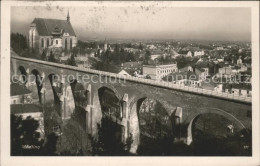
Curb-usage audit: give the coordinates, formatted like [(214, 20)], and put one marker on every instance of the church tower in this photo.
[(68, 16)]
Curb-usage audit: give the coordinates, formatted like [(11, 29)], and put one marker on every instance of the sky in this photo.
[(197, 23)]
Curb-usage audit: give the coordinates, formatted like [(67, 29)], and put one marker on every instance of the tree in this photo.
[(183, 61), (18, 42), (72, 61), (122, 55), (140, 47), (44, 54), (16, 132), (74, 140), (147, 56), (24, 133), (52, 57)]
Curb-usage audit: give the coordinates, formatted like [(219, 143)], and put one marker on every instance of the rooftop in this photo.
[(19, 89), (45, 27)]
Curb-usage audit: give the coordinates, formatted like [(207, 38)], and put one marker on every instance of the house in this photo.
[(20, 94), (220, 59), (189, 54), (239, 61), (186, 68), (219, 48), (54, 33), (243, 68), (199, 53), (124, 73), (131, 67), (157, 72), (82, 64), (151, 46), (202, 73), (225, 71), (228, 60), (200, 60), (241, 89), (219, 88), (209, 84), (204, 66), (155, 54), (185, 53)]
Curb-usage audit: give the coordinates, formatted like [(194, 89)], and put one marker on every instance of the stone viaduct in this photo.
[(183, 104)]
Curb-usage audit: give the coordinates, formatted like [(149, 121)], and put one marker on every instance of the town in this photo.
[(218, 67)]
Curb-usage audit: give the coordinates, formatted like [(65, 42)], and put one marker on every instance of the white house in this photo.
[(124, 73), (239, 61)]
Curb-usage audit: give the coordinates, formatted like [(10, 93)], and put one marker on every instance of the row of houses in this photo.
[(191, 53)]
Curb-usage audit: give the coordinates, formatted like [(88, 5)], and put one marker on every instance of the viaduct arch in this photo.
[(182, 102)]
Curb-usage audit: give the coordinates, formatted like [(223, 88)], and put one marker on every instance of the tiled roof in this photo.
[(19, 89), (45, 27)]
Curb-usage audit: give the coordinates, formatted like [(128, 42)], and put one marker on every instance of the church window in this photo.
[(66, 44), (48, 42), (57, 41), (70, 43), (32, 39), (42, 42)]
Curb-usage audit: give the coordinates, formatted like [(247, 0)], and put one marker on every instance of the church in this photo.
[(52, 33)]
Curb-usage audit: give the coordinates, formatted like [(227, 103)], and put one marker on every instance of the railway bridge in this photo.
[(99, 94)]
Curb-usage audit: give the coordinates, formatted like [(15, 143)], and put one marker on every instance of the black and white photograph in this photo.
[(133, 79)]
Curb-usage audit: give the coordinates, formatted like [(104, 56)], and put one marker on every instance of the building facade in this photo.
[(20, 94), (157, 72), (52, 33)]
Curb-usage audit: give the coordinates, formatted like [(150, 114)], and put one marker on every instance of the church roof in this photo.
[(45, 27)]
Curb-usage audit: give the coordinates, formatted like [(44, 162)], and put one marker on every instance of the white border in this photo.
[(5, 89)]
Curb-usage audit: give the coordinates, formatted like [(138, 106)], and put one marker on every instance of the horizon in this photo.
[(157, 23)]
